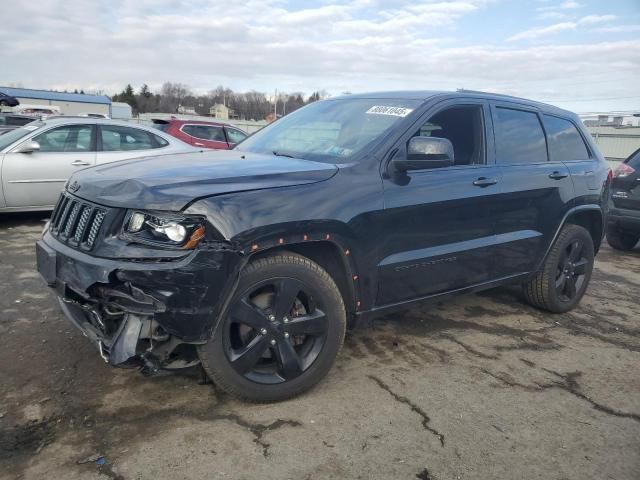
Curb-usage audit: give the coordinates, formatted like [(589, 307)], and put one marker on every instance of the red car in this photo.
[(214, 135)]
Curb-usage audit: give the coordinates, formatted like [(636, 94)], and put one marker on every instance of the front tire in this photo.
[(566, 272), (282, 332), (621, 240)]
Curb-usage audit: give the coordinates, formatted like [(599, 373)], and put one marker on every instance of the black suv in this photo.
[(623, 221), (254, 261)]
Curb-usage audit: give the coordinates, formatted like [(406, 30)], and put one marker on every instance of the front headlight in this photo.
[(163, 229)]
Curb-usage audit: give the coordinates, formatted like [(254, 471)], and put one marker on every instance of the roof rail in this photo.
[(464, 90)]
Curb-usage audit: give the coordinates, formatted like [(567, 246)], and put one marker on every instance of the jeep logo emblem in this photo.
[(74, 187)]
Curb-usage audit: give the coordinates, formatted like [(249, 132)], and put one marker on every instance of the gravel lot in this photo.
[(480, 387)]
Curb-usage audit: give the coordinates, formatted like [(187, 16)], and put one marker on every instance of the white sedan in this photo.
[(37, 159)]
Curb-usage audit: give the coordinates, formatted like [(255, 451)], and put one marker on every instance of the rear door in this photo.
[(536, 192), (206, 136), (567, 145), (35, 179), (625, 186)]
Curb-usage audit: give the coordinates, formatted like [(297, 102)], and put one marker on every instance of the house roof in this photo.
[(59, 96)]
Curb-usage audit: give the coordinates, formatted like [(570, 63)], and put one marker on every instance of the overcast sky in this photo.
[(583, 55)]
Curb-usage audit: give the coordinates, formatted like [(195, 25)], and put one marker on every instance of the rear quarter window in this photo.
[(565, 142)]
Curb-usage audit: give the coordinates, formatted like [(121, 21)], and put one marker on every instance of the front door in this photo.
[(35, 179), (438, 229)]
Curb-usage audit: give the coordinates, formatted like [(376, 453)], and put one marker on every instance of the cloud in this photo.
[(593, 19), (543, 31), (266, 44), (534, 33), (619, 29), (566, 5)]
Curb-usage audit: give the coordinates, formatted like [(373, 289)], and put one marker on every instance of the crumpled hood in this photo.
[(171, 182)]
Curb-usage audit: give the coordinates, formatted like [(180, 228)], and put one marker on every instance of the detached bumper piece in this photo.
[(121, 325)]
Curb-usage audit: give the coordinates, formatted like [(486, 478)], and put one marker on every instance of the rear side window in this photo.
[(116, 138), (20, 121), (15, 121), (519, 137), (565, 142), (205, 132)]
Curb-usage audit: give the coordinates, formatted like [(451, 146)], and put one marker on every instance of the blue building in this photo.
[(68, 103)]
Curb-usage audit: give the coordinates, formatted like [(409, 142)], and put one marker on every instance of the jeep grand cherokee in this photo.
[(254, 261)]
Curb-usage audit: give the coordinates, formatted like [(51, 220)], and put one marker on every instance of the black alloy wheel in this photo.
[(564, 276), (275, 331), (571, 271), (282, 331)]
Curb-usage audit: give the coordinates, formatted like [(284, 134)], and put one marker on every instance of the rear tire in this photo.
[(621, 240), (284, 328), (566, 272)]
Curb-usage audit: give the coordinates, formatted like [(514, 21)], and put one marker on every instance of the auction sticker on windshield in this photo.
[(384, 110)]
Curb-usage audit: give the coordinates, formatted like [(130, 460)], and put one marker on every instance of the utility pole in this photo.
[(275, 104)]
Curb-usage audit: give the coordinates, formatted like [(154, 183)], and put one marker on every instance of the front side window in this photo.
[(116, 138), (519, 137), (70, 138), (205, 132), (235, 136), (565, 142), (15, 135), (330, 130), (463, 126)]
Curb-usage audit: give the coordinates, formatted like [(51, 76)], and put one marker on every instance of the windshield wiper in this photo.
[(282, 154)]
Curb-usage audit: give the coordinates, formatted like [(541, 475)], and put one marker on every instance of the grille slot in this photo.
[(76, 222)]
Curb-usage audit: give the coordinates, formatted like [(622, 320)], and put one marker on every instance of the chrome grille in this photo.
[(82, 223), (76, 222), (95, 228)]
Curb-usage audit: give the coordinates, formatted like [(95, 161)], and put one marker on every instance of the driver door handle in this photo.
[(79, 163), (485, 182), (558, 176)]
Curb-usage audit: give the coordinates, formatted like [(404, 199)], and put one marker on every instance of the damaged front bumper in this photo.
[(141, 313)]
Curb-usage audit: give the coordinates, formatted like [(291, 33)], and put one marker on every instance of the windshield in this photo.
[(331, 130), (162, 126), (14, 135)]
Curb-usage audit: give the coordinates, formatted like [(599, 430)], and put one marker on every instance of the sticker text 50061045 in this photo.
[(386, 110)]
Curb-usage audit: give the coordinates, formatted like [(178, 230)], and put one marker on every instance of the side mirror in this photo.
[(426, 152), (28, 147)]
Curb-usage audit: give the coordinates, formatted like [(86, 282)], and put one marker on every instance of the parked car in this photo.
[(255, 264), (93, 115), (10, 121), (214, 135), (8, 100), (623, 221), (37, 111), (37, 159)]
